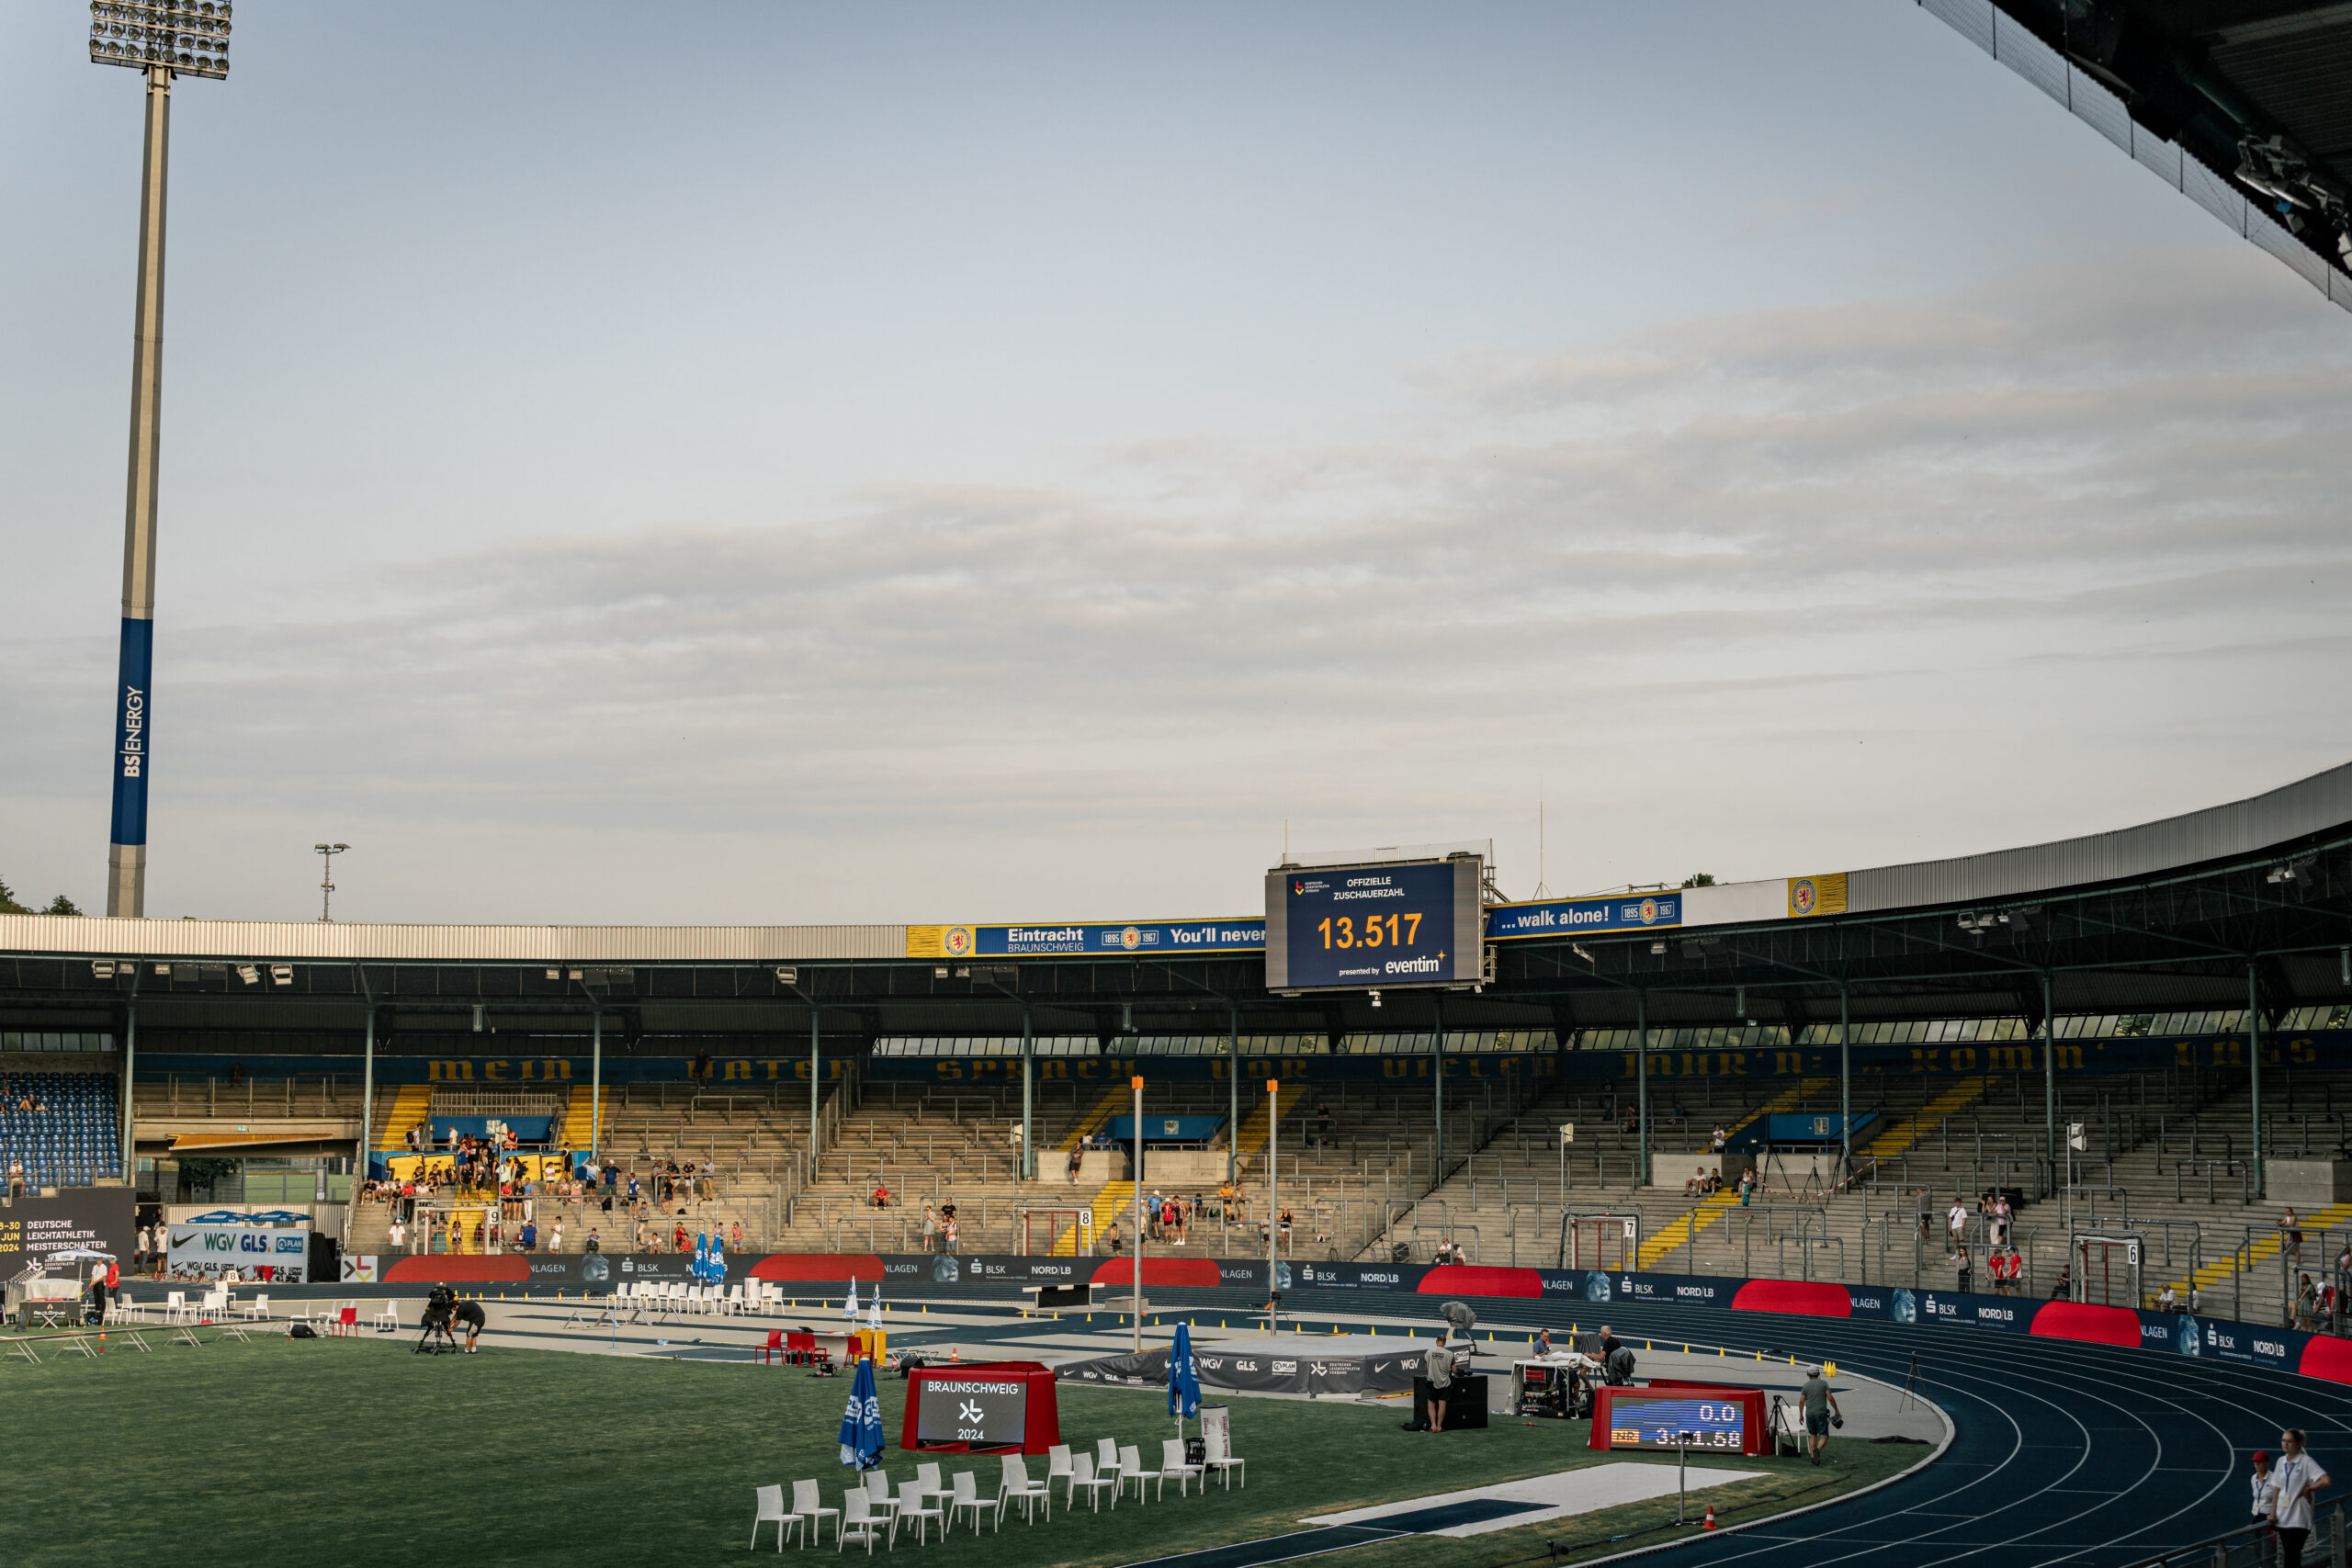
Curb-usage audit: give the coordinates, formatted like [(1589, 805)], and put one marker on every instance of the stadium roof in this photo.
[(2243, 105), (2205, 910)]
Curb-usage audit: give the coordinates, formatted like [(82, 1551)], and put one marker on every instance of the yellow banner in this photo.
[(939, 941), (1822, 894)]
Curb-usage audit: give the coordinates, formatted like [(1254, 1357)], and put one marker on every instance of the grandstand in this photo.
[(2171, 999), (62, 1127)]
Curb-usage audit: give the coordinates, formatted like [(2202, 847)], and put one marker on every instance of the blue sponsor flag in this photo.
[(1183, 1377), (861, 1433)]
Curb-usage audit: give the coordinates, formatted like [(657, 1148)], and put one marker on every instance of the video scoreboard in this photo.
[(1376, 926)]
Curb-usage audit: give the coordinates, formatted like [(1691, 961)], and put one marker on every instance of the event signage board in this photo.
[(1114, 938), (278, 1254), (977, 1409), (1583, 917), (1374, 927), (102, 1219)]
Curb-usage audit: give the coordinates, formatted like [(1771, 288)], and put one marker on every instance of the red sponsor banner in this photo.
[(1198, 1271), (1470, 1279), (828, 1266), (2326, 1357), (2087, 1320), (442, 1268), (1813, 1298)]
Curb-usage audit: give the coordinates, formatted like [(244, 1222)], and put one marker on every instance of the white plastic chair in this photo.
[(1171, 1462), (176, 1307), (258, 1308), (967, 1495), (388, 1320), (805, 1504), (1081, 1474), (772, 1508), (1131, 1469), (857, 1519), (1016, 1486), (877, 1491), (913, 1505), (734, 1301), (1057, 1466), (1106, 1457), (1228, 1466), (934, 1490)]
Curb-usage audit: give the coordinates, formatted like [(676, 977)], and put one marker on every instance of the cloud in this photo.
[(1659, 571)]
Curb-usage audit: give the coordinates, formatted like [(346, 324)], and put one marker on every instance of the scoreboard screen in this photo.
[(1651, 1421), (983, 1411), (1374, 926)]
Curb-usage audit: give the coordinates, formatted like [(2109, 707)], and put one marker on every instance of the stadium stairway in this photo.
[(1901, 1137), (580, 1118), (411, 1105), (1112, 1103)]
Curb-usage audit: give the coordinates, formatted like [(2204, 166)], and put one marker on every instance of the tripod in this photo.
[(439, 1337)]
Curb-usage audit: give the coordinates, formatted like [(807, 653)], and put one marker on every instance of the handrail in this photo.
[(2245, 1545)]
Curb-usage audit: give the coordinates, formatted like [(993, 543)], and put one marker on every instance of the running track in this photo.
[(2065, 1453)]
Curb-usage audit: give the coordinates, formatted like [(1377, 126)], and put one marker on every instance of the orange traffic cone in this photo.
[(1710, 1517), (955, 1353)]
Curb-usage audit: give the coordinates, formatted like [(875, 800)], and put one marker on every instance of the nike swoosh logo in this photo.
[(183, 1240)]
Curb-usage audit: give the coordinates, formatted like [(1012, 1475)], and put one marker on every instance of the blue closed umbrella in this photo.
[(701, 1269), (862, 1422), (1183, 1377), (717, 1260)]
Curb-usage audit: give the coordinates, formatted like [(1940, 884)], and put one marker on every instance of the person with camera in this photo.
[(1820, 1409)]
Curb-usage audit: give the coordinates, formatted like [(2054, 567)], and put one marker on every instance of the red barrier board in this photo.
[(443, 1269), (1200, 1272), (1813, 1298), (1473, 1280), (2086, 1320)]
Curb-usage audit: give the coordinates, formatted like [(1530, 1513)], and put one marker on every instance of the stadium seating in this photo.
[(75, 1139)]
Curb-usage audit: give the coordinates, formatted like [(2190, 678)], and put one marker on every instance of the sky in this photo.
[(786, 464)]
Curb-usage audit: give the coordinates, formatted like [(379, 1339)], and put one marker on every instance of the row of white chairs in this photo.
[(742, 1299), (873, 1510)]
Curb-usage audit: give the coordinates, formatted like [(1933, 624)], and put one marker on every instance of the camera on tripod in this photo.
[(439, 1323)]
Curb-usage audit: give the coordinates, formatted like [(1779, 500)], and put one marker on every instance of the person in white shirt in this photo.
[(2294, 1478), (1955, 1226), (398, 1235), (2266, 1485), (555, 1238)]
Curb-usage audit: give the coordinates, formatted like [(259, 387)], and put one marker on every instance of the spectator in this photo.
[(2305, 1310), (2166, 1301), (948, 1232), (1113, 1240), (735, 1238), (1717, 1140), (611, 1174), (1961, 1269), (929, 1229), (2002, 1216), (1076, 1159), (881, 1193), (2296, 1476), (1695, 1184), (1955, 1227), (2291, 1233), (2063, 1288), (595, 1243), (397, 1236), (1322, 1123), (1747, 1186), (555, 1235)]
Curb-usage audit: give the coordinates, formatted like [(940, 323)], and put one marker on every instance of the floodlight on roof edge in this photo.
[(163, 39)]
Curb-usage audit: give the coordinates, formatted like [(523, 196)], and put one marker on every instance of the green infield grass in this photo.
[(358, 1453)]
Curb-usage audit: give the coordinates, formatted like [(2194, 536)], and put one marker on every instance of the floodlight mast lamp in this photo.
[(161, 37)]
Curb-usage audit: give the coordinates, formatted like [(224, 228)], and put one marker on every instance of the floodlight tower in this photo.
[(164, 39)]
